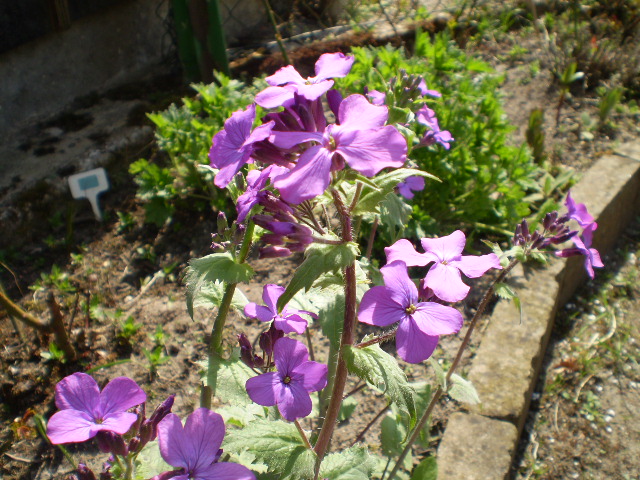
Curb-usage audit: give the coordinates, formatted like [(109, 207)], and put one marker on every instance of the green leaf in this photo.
[(386, 182), (354, 463), (217, 267), (276, 444), (427, 469), (228, 379), (505, 291), (149, 462), (392, 435), (440, 375), (347, 408), (382, 371), (463, 390), (211, 293), (320, 258)]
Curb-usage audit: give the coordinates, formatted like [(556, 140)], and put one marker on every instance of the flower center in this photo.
[(287, 379), (411, 309), (332, 143)]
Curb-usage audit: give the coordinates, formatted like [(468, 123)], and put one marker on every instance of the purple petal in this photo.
[(273, 97), (333, 65), (425, 91), (270, 295), (379, 308), (294, 402), (315, 90), (121, 394), (262, 313), (405, 251), (259, 133), (376, 97), (291, 324), (262, 389), (118, 422), (171, 440), (474, 267), (224, 471), (412, 344), (288, 354), (396, 279), (310, 177), (369, 151), (434, 319), (291, 139), (79, 392), (203, 434), (334, 99), (356, 113), (446, 283), (70, 426), (445, 248), (578, 211), (314, 375), (285, 75)]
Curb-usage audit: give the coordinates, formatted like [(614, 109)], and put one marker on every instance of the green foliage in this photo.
[(608, 101), (275, 443), (184, 133), (354, 463), (535, 135), (381, 371), (54, 353), (57, 279), (228, 379), (463, 390), (127, 329), (485, 181), (427, 469), (217, 267)]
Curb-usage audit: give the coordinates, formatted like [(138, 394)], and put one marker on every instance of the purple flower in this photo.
[(195, 448), (232, 147), (288, 320), (583, 247), (422, 86), (329, 65), (410, 185), (361, 139), (85, 410), (444, 277), (256, 181), (421, 323), (426, 116), (578, 212), (289, 387)]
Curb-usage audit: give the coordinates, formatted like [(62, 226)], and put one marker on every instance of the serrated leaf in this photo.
[(211, 293), (228, 378), (276, 444), (381, 370), (504, 291), (440, 375), (427, 469), (386, 182), (240, 415), (217, 267), (463, 390), (150, 463), (354, 463), (319, 259)]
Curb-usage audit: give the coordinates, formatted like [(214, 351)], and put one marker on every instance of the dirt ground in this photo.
[(136, 268)]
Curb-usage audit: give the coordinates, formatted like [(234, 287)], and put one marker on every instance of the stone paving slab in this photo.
[(508, 361)]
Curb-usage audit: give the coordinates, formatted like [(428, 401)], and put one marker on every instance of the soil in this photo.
[(135, 268)]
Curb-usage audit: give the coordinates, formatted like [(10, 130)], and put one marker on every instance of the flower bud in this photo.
[(268, 339), (221, 222), (149, 429), (549, 219), (84, 473), (525, 230), (110, 442)]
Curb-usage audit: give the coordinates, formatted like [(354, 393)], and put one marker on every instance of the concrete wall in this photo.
[(120, 44)]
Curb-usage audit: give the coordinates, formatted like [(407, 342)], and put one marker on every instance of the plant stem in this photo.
[(302, 434), (347, 338), (372, 237), (369, 425), (439, 391), (276, 32), (128, 474)]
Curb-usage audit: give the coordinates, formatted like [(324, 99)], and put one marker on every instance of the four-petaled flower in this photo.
[(85, 410), (195, 448), (444, 277), (421, 323), (232, 147), (256, 182), (410, 185), (289, 320), (426, 116), (286, 82), (361, 139), (290, 385)]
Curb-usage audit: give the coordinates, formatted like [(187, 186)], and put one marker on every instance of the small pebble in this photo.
[(608, 429), (607, 418), (611, 412), (598, 388), (591, 317), (535, 396)]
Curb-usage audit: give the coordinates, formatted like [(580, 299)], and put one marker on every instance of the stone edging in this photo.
[(481, 443)]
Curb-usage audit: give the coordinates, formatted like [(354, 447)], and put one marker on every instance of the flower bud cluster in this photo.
[(286, 237), (266, 341), (555, 232), (227, 237)]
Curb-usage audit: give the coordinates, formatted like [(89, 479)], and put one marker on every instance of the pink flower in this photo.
[(420, 323), (195, 448), (232, 147), (290, 385), (444, 276), (286, 82), (85, 410), (289, 320)]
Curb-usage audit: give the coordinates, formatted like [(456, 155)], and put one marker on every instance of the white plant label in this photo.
[(89, 185)]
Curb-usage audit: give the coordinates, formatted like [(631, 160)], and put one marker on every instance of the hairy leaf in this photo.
[(463, 390), (427, 469), (228, 379), (354, 463)]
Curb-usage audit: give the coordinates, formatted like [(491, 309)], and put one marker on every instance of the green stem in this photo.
[(302, 434), (439, 391), (128, 474), (276, 32), (347, 338)]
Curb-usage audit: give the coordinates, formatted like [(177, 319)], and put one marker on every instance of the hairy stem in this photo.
[(347, 338), (303, 435), (439, 391)]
